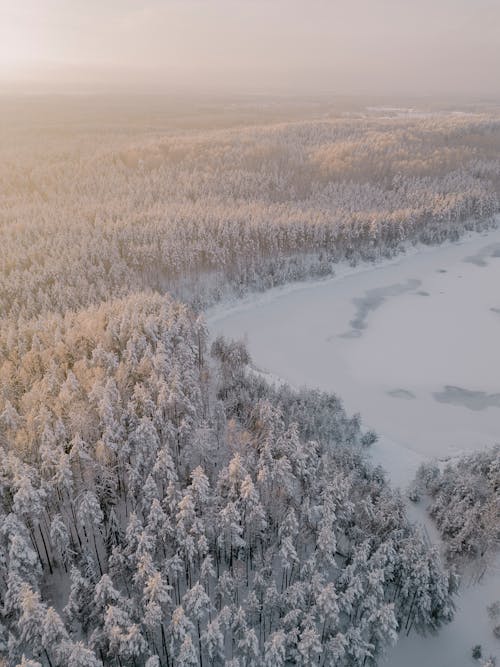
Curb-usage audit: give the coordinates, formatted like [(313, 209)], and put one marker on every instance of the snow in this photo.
[(452, 647), (411, 344)]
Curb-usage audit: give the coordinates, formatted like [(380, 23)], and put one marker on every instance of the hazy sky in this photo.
[(346, 46)]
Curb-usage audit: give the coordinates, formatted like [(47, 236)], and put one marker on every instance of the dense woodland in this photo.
[(94, 213), (159, 504), (154, 505)]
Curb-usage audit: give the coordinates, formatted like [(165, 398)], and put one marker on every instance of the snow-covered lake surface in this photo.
[(414, 346)]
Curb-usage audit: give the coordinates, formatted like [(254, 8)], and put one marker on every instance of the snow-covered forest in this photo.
[(90, 214), (159, 504), (150, 509)]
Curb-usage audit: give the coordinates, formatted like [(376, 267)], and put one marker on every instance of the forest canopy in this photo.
[(87, 215)]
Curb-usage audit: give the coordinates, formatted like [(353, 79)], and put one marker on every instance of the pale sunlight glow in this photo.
[(379, 46)]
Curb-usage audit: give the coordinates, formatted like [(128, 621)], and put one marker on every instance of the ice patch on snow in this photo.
[(372, 300), (401, 393), (479, 259), (473, 400)]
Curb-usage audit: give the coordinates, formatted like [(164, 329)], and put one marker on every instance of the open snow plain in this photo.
[(414, 346)]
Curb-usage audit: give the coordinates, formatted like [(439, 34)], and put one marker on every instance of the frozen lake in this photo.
[(414, 346)]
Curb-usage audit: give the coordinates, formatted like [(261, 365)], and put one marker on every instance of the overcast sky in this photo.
[(345, 46)]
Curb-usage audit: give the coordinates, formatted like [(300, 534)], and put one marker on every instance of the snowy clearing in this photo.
[(411, 344)]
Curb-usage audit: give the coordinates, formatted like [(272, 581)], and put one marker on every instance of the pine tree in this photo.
[(54, 635), (78, 655), (31, 618), (309, 646), (91, 517), (187, 655), (275, 650), (212, 640), (60, 539)]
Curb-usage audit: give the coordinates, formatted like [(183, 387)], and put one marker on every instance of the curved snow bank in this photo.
[(411, 344)]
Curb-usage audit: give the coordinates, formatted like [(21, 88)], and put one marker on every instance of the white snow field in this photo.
[(412, 344)]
